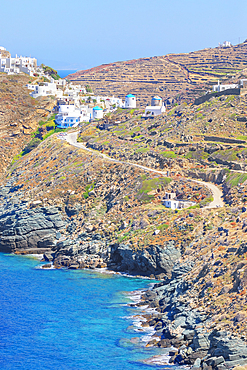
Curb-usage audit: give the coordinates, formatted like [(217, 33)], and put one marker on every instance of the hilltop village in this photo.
[(147, 178)]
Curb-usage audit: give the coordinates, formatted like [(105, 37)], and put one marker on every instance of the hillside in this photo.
[(19, 116), (81, 210), (94, 206), (171, 76)]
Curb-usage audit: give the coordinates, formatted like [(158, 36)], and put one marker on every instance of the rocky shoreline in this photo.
[(66, 230), (178, 325), (175, 321)]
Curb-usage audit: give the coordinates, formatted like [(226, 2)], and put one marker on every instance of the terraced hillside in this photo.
[(169, 76)]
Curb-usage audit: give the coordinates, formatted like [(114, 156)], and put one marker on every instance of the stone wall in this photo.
[(206, 97), (224, 140)]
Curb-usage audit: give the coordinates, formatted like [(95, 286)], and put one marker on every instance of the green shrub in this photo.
[(88, 188), (50, 125), (32, 145), (168, 154), (88, 89), (233, 179), (142, 150), (151, 184), (16, 158), (162, 227)]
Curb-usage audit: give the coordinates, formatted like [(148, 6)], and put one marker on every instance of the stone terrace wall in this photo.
[(206, 97)]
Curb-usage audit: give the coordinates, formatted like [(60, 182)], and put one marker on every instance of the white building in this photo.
[(151, 111), (45, 89), (97, 113), (156, 108), (86, 113), (61, 82), (171, 201), (18, 65), (130, 101), (115, 101), (226, 44), (70, 115), (31, 87), (219, 87)]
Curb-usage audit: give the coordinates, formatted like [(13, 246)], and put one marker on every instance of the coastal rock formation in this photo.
[(182, 325), (151, 260), (95, 252), (28, 230)]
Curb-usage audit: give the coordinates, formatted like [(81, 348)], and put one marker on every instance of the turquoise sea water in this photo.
[(65, 319), (65, 72)]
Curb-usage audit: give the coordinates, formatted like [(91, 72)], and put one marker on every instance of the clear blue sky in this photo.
[(79, 34)]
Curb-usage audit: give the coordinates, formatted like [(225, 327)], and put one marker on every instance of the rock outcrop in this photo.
[(183, 326), (151, 260), (27, 227)]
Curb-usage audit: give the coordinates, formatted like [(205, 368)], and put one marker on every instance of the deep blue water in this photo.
[(65, 319), (65, 72)]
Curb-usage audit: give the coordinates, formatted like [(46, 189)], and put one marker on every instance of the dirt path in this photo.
[(71, 138)]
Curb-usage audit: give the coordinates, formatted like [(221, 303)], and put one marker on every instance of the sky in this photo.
[(80, 34)]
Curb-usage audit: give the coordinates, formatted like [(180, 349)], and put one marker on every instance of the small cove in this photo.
[(67, 319)]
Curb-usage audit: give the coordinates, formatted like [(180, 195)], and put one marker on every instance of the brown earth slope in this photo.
[(169, 76), (19, 116)]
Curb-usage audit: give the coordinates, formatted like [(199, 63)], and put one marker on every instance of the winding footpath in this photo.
[(71, 138)]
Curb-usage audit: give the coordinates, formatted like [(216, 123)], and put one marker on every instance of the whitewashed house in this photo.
[(97, 113), (18, 65), (86, 113), (171, 201), (226, 44), (31, 87), (45, 89), (219, 87), (115, 101), (156, 108), (130, 101), (70, 115), (62, 83), (151, 111)]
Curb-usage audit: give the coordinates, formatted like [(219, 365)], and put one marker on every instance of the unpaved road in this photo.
[(71, 138)]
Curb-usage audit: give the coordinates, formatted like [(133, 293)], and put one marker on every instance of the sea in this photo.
[(65, 72), (70, 319)]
